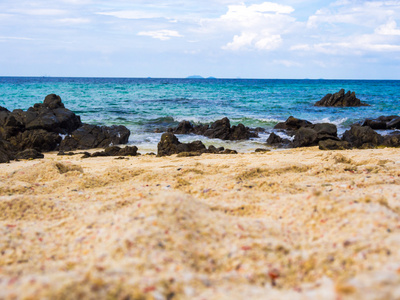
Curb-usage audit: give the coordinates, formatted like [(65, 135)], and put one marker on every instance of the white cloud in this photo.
[(359, 13), (131, 14), (257, 26), (40, 12), (287, 63), (390, 28), (73, 21), (15, 38), (163, 34)]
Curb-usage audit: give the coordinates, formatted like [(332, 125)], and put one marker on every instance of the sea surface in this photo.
[(147, 104)]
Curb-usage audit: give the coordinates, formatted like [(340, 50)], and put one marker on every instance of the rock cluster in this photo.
[(383, 122), (169, 144), (325, 135), (340, 99), (305, 134), (220, 129), (24, 134)]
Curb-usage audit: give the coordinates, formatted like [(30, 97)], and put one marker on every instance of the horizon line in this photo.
[(193, 77)]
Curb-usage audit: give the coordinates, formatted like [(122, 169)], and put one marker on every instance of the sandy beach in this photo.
[(292, 224)]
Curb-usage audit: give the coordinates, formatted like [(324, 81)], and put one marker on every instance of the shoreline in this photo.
[(294, 224)]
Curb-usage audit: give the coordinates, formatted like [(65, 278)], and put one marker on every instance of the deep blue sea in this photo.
[(144, 104)]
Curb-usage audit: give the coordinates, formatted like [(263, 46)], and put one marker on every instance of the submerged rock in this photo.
[(340, 99)]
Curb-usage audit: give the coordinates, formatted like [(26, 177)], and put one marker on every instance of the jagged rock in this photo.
[(93, 136), (220, 129), (188, 154), (277, 141), (50, 116), (292, 124), (333, 145), (169, 144), (229, 151), (362, 137), (117, 151), (29, 154), (392, 140), (394, 123), (40, 140), (324, 129), (305, 137), (184, 127), (53, 101), (7, 151), (340, 99), (262, 150), (200, 129)]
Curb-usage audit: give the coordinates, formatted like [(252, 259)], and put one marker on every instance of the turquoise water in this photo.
[(144, 104)]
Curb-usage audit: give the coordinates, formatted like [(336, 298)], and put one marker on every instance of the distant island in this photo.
[(199, 77)]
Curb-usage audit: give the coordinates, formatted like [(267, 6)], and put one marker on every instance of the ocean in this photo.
[(147, 104)]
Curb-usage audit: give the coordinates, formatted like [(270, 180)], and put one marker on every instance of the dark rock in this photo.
[(361, 137), (340, 99), (188, 154), (62, 153), (391, 140), (40, 140), (324, 129), (240, 132), (7, 151), (29, 154), (274, 139), (394, 123), (128, 151), (50, 116), (374, 124), (220, 129), (305, 137), (93, 136), (200, 129), (258, 130), (292, 124), (333, 145), (53, 101), (196, 146), (117, 151), (212, 149), (261, 150), (4, 113), (229, 151), (184, 127), (169, 144)]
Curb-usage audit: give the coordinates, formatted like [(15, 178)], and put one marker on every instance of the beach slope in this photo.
[(293, 224)]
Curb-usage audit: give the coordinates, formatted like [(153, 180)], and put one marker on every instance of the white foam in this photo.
[(336, 122)]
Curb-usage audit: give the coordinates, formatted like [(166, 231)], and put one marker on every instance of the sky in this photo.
[(344, 39)]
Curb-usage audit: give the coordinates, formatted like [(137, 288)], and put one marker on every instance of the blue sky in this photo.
[(223, 38)]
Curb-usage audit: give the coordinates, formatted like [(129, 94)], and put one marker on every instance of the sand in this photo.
[(293, 224)]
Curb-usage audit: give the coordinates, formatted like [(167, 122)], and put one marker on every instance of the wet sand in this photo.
[(294, 224)]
